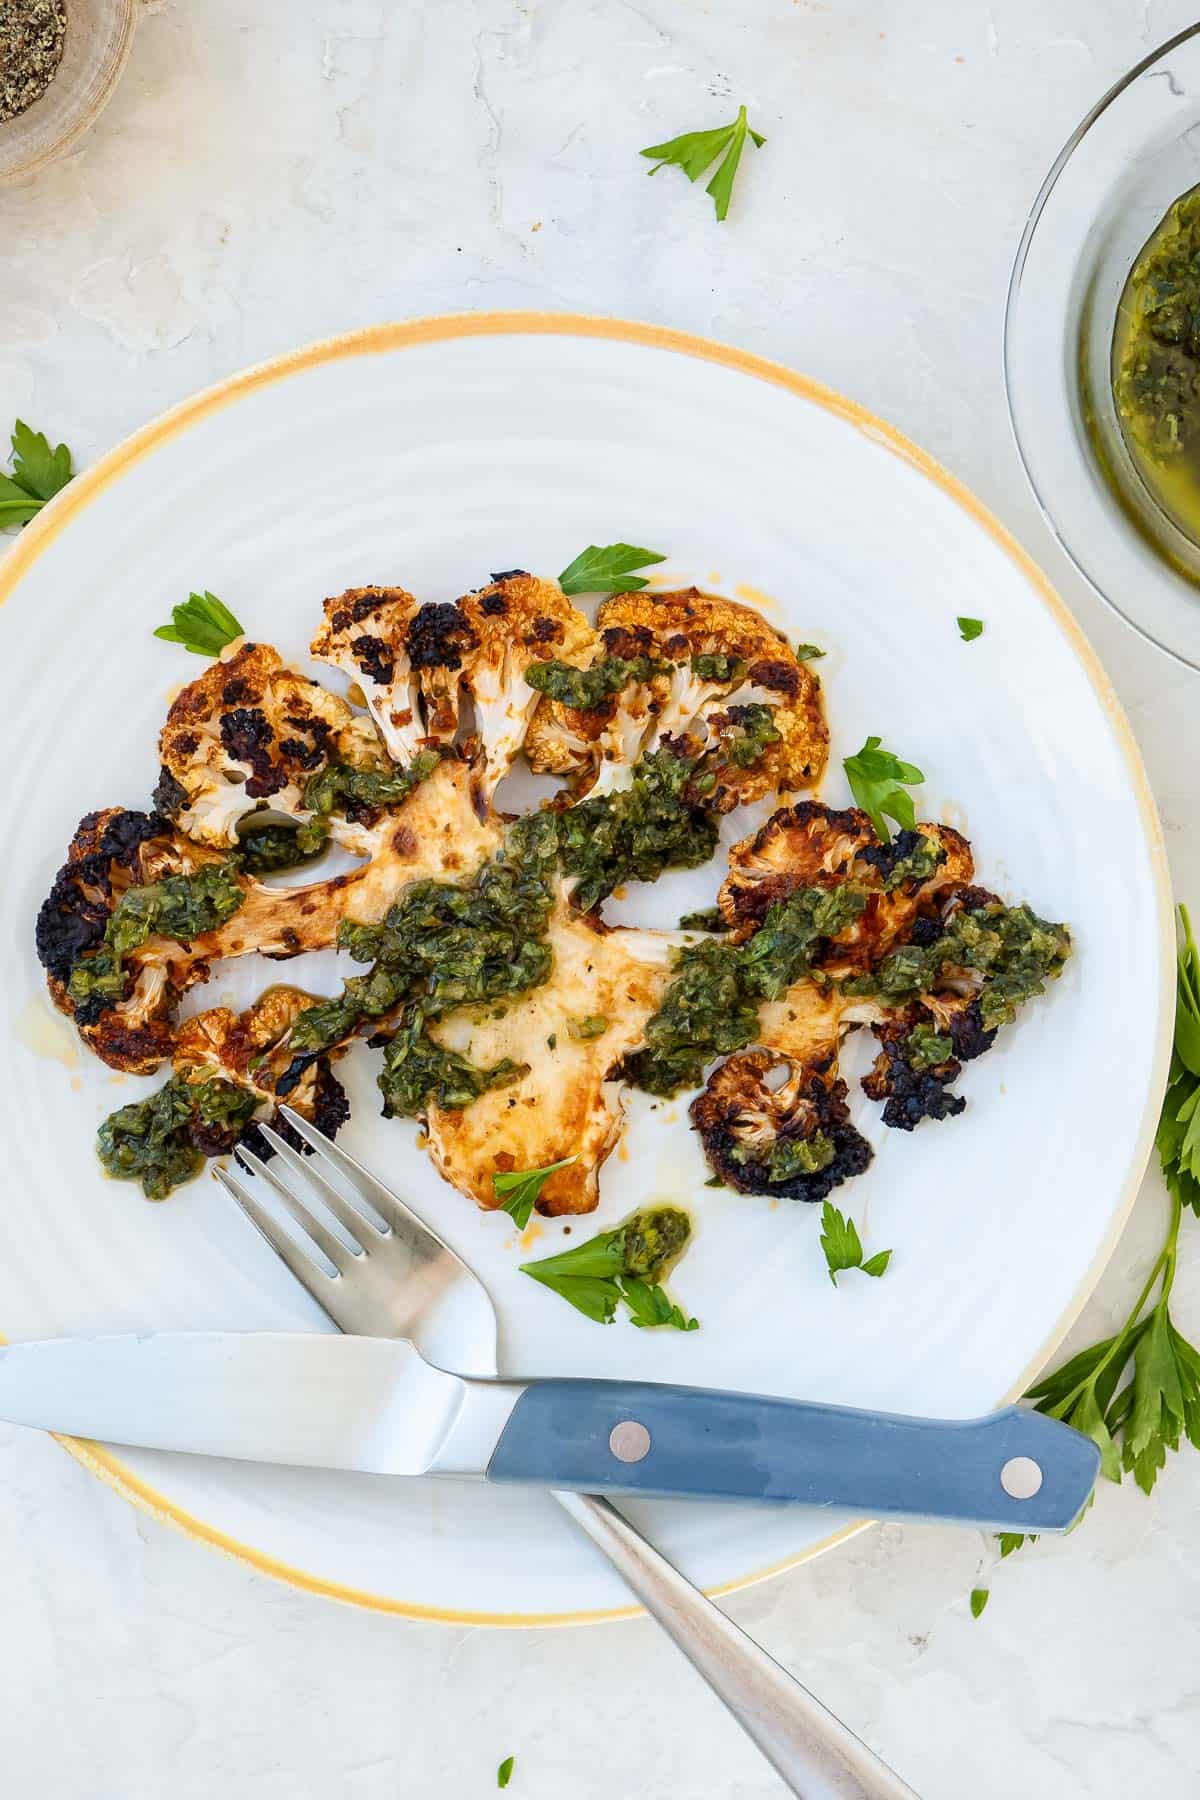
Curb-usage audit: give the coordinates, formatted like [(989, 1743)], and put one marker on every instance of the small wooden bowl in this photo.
[(98, 40)]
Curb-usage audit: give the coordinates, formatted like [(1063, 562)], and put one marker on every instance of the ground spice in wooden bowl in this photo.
[(31, 47)]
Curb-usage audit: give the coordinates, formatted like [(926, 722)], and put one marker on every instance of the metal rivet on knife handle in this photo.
[(629, 1441), (1021, 1477)]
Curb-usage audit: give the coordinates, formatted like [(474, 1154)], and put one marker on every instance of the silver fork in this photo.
[(396, 1278)]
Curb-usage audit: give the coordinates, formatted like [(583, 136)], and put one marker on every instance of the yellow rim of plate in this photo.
[(375, 340)]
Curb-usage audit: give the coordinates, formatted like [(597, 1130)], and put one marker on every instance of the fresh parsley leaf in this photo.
[(38, 473), (17, 506), (504, 1772), (607, 569), (808, 652), (840, 1241), (695, 151), (1012, 1540), (595, 1296), (1166, 1389), (649, 1305), (878, 781), (523, 1187), (979, 1599), (843, 1246), (968, 629), (603, 1254), (37, 468), (594, 1278), (202, 624)]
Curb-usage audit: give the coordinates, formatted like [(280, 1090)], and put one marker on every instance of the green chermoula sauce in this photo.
[(442, 946), (164, 1139), (711, 1006), (1156, 364)]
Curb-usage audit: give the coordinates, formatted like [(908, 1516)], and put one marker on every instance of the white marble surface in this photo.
[(271, 173)]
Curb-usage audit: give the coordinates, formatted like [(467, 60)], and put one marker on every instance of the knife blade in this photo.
[(333, 1402), (376, 1405)]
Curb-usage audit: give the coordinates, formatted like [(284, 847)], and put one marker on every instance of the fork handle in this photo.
[(817, 1756)]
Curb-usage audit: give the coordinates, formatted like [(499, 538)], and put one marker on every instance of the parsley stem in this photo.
[(1186, 962), (1170, 1249)]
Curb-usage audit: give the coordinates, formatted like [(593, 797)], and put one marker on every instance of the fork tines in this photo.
[(364, 1224)]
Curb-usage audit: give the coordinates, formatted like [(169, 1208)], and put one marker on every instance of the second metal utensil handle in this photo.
[(818, 1757)]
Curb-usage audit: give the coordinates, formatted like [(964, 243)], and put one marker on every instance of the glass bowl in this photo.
[(1134, 154), (96, 47)]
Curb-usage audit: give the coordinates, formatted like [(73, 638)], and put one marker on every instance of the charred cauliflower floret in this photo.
[(227, 1067), (597, 709), (417, 664), (129, 877), (516, 621), (945, 994), (246, 737), (773, 1126), (684, 667), (725, 656), (922, 1051), (252, 1049), (139, 914), (365, 634), (810, 844)]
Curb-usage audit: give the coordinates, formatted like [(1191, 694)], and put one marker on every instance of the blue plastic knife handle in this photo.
[(707, 1445)]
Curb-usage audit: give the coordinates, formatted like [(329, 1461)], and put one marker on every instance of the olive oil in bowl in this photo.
[(1156, 369)]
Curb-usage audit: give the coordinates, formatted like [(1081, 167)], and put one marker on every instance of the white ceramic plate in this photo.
[(429, 454)]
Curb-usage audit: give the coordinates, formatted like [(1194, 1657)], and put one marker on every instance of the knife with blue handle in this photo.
[(376, 1405)]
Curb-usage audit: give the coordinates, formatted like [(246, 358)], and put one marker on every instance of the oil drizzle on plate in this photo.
[(40, 1029), (752, 596)]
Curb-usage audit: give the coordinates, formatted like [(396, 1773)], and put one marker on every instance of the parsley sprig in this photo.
[(878, 781), (38, 473), (969, 629), (1136, 1394), (607, 569), (843, 1246), (202, 624), (696, 151), (523, 1187)]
